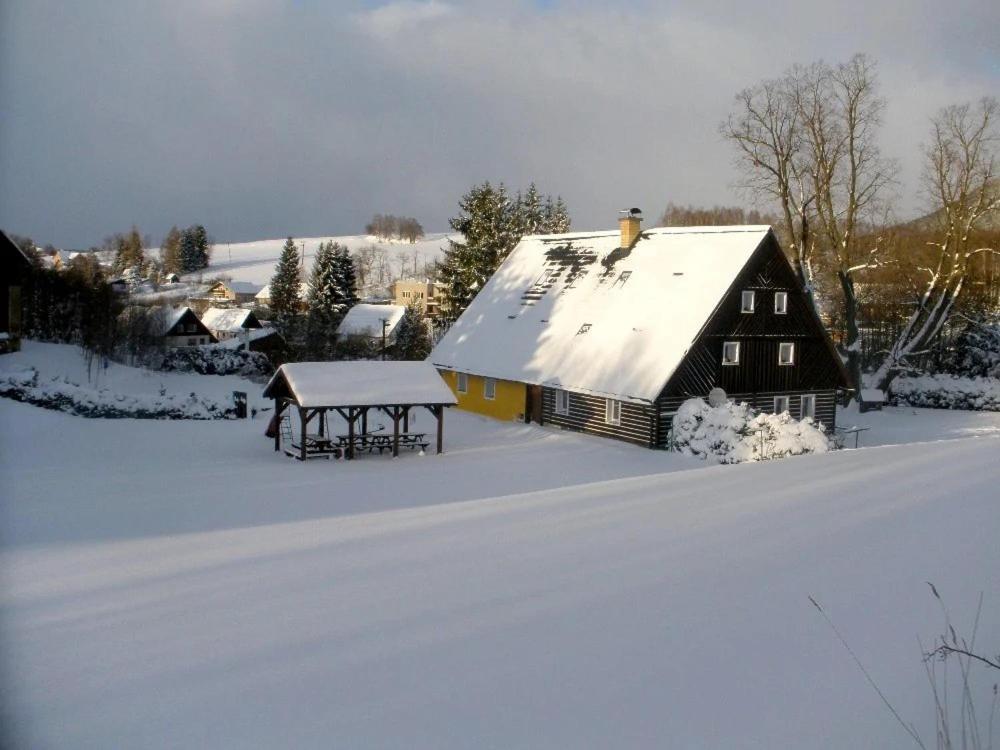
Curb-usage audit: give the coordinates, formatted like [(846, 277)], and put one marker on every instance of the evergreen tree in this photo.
[(194, 248), (286, 297), (128, 251), (324, 298), (170, 252), (347, 277), (492, 224), (413, 340)]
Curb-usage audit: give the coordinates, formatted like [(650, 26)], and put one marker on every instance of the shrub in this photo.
[(61, 395), (946, 392), (216, 360), (734, 433)]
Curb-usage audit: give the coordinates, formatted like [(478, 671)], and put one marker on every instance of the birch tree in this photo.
[(960, 177)]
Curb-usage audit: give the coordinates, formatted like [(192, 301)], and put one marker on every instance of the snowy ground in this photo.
[(172, 584), (255, 261)]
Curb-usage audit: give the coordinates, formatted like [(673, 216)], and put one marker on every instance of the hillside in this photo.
[(255, 261)]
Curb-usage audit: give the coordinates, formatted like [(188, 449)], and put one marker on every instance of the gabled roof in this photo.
[(366, 320), (265, 291), (575, 311), (362, 383), (243, 287), (12, 254), (229, 319), (175, 315)]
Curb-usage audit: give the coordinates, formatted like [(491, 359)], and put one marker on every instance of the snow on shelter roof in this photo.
[(575, 311), (363, 383), (366, 320)]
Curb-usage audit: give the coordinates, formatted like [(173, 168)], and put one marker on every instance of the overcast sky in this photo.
[(264, 118)]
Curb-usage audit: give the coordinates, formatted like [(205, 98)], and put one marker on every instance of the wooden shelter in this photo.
[(353, 390)]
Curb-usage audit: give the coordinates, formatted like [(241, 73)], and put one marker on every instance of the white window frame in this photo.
[(807, 398), (612, 411), (562, 402), (781, 309), (791, 354), (787, 404), (462, 383), (490, 389), (748, 295), (733, 361)]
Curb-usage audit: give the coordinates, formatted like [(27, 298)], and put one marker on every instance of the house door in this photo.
[(533, 405)]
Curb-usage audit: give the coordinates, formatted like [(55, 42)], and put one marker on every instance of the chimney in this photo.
[(628, 223)]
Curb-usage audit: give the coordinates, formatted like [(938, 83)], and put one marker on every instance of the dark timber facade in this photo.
[(807, 381)]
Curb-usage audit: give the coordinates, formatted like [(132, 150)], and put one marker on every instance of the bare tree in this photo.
[(808, 142), (960, 177)]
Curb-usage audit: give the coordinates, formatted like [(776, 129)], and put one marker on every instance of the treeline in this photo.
[(308, 322), (389, 227), (693, 216)]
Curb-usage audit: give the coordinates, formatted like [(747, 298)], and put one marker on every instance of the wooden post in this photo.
[(302, 446), (406, 419), (350, 432), (279, 407), (440, 435), (364, 421), (322, 423), (395, 431)]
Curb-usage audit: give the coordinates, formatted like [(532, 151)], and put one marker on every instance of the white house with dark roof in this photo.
[(608, 332)]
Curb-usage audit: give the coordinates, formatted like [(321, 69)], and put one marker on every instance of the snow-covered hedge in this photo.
[(61, 395), (734, 433), (946, 392), (216, 360)]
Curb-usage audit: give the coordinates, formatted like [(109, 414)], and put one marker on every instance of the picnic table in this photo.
[(317, 446), (382, 441)]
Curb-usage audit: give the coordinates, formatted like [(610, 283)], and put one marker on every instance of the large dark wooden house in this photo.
[(609, 332)]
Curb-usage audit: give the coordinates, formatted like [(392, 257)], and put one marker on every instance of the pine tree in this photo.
[(170, 252), (286, 297), (347, 277), (413, 340), (492, 224), (324, 298), (194, 248), (128, 251)]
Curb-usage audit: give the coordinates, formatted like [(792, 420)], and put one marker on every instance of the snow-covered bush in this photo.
[(61, 395), (975, 353), (946, 392), (734, 433), (216, 360)]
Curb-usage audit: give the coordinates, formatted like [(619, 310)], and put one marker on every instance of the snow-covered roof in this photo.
[(173, 316), (229, 319), (575, 311), (366, 320), (314, 384), (237, 342), (265, 292), (243, 287)]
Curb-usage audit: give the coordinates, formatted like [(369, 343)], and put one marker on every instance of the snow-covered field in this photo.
[(179, 584), (255, 261)]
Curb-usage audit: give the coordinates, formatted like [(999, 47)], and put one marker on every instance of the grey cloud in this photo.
[(271, 117)]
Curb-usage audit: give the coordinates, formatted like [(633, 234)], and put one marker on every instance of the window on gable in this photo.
[(786, 354), (731, 353), (747, 301), (583, 329), (780, 404), (612, 411), (562, 402), (489, 389), (462, 383), (781, 303), (807, 406)]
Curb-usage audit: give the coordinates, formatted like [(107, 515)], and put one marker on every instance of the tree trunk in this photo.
[(852, 340)]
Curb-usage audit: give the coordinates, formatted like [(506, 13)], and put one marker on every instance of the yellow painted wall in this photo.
[(508, 404)]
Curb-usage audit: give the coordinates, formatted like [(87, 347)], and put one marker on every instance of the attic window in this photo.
[(583, 329), (786, 354), (463, 383), (731, 353), (748, 299), (612, 411), (781, 303)]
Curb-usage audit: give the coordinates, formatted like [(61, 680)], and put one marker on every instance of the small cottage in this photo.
[(232, 322), (15, 266), (183, 328), (237, 292)]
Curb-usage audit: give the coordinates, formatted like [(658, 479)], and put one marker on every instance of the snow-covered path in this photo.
[(167, 598)]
